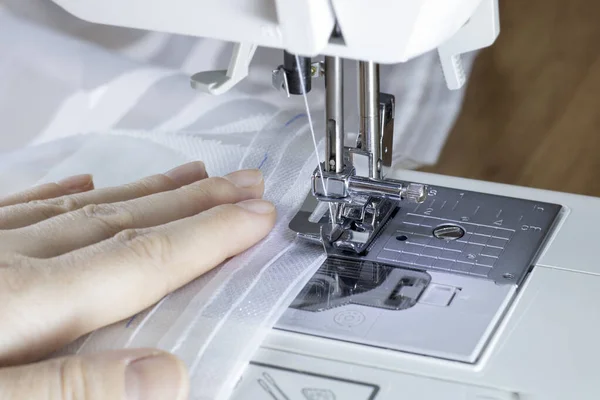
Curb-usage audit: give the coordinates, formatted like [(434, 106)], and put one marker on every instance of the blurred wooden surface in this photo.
[(531, 114)]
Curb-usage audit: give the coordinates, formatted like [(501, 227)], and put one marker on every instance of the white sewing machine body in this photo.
[(531, 338), (391, 31), (403, 29), (543, 346)]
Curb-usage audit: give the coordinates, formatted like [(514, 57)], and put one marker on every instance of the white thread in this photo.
[(310, 123), (314, 137)]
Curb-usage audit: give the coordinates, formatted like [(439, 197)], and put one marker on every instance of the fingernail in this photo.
[(257, 206), (155, 377), (246, 178), (76, 182), (188, 173)]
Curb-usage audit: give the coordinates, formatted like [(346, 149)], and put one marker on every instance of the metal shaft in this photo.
[(334, 114), (369, 186), (370, 129), (392, 189)]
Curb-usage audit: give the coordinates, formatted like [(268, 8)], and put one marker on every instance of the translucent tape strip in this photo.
[(217, 322), (202, 335), (246, 325)]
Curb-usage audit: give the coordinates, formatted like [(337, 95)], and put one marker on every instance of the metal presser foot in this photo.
[(346, 212)]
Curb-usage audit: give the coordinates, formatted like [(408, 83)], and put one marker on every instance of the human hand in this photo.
[(74, 259)]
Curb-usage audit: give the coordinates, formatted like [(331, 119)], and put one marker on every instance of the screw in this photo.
[(448, 232)]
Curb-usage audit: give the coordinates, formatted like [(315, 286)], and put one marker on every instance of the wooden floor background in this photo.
[(531, 114)]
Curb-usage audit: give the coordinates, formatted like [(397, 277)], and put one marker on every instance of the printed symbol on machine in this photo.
[(349, 318), (318, 394), (531, 228), (269, 385)]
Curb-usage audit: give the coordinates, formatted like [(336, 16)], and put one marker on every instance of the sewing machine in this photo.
[(434, 287)]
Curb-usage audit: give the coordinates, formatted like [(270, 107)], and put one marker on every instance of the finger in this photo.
[(68, 296), (94, 223), (70, 185), (139, 374), (20, 215)]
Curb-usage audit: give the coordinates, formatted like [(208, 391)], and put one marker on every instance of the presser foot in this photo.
[(356, 224), (343, 228), (349, 217), (351, 210)]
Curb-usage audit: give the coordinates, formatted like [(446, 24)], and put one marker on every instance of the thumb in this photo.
[(140, 374)]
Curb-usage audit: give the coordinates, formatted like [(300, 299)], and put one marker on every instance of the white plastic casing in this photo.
[(384, 31)]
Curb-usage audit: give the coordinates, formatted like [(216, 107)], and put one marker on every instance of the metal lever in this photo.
[(387, 110)]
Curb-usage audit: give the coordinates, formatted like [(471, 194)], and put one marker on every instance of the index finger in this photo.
[(70, 185), (25, 214)]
